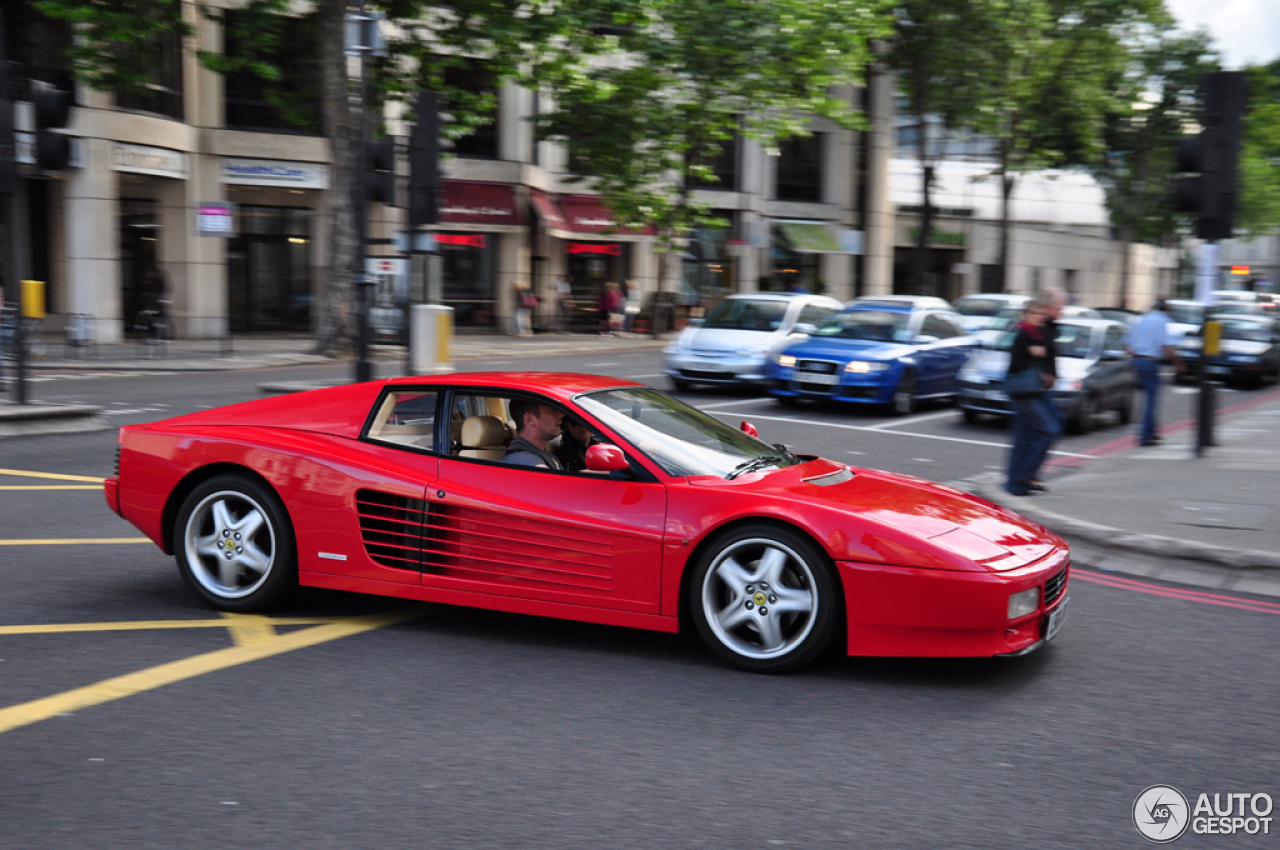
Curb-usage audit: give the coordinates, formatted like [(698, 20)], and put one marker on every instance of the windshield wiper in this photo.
[(752, 465), (790, 456)]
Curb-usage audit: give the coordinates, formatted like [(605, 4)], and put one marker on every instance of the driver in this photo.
[(537, 425)]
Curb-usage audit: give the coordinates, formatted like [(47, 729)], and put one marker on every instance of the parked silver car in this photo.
[(980, 309), (731, 344), (1094, 375)]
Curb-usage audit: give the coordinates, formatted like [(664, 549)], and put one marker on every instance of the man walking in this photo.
[(1149, 341)]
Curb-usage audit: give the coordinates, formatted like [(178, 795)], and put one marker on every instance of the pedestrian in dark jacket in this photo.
[(1036, 423)]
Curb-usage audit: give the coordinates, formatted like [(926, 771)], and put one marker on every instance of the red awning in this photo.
[(546, 209), (471, 202), (586, 215)]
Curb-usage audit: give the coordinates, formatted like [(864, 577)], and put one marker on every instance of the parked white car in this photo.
[(730, 345), (979, 310)]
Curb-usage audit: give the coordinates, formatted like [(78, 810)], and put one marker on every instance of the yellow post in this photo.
[(33, 299), (1212, 339)]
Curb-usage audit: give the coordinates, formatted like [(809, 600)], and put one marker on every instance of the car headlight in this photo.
[(786, 361), (751, 352), (863, 367), (1024, 603), (1065, 386)]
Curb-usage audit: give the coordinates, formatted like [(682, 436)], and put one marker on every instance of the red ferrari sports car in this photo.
[(400, 488)]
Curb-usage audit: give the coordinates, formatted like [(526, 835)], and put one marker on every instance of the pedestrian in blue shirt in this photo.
[(1149, 343)]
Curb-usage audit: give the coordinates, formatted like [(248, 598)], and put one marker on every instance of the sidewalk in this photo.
[(1162, 512)]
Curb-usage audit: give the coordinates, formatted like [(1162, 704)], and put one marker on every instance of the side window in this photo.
[(1114, 339), (952, 329), (406, 418), (813, 314), (480, 426), (935, 326)]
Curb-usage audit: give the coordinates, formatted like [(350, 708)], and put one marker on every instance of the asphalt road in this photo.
[(457, 728)]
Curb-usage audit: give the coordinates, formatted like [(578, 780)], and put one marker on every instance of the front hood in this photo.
[(1244, 346), (848, 349), (902, 520), (728, 341)]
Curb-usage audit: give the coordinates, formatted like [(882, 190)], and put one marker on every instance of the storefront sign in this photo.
[(462, 240), (953, 238), (143, 159), (606, 248), (215, 218), (471, 202), (269, 172)]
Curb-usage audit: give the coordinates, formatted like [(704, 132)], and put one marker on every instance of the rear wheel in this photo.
[(904, 397), (970, 416), (1082, 422), (1125, 411), (764, 600), (234, 545)]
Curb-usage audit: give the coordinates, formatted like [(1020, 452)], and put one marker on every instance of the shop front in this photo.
[(796, 255), (475, 217), (597, 252)]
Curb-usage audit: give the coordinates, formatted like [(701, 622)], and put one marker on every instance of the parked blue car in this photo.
[(875, 354)]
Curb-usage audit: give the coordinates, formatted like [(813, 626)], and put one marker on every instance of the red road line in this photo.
[(1131, 441), (1205, 598)]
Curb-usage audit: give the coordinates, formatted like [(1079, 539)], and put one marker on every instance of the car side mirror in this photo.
[(749, 429), (804, 328), (606, 458)]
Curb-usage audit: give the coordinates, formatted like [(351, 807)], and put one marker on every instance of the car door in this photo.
[(934, 356), (575, 538), (1112, 372)]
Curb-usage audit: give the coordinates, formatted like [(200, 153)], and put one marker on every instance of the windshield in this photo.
[(1248, 331), (682, 440), (1187, 314), (1072, 340), (1005, 320), (742, 314), (880, 325), (979, 306)]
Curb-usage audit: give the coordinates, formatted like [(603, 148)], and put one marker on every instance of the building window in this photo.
[(723, 164), (290, 104), (161, 88), (39, 43), (474, 89), (799, 175)]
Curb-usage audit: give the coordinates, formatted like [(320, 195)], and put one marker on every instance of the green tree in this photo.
[(684, 77), (1156, 100), (1260, 153)]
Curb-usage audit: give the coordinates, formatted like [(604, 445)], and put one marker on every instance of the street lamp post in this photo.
[(363, 37)]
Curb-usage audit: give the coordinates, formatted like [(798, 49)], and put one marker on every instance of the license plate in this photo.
[(1218, 370), (1056, 619), (994, 395), (817, 378)]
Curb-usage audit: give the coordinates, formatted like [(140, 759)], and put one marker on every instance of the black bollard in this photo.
[(364, 369)]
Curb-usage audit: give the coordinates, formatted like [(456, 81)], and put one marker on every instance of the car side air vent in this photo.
[(391, 528), (831, 478)]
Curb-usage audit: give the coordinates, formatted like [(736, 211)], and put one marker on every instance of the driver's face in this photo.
[(549, 419)]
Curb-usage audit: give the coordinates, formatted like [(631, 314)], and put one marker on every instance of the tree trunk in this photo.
[(335, 296), (920, 252), (1007, 182), (1126, 241)]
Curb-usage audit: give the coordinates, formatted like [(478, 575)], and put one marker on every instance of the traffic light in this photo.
[(1212, 157), (426, 144), (53, 111), (380, 171)]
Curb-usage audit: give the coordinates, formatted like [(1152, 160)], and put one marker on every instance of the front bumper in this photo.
[(719, 369), (870, 388), (903, 611), (990, 398)]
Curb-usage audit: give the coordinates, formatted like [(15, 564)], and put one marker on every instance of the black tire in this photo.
[(740, 586), (904, 397), (679, 384), (234, 544), (970, 416), (1082, 422), (1125, 411), (786, 400)]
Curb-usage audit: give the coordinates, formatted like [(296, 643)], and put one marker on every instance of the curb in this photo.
[(1117, 538), (25, 419)]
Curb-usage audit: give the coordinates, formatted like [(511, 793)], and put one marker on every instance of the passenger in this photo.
[(575, 441), (537, 425)]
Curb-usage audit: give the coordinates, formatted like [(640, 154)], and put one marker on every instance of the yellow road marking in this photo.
[(145, 625), (52, 476), (248, 630), (73, 541), (129, 684), (49, 487)]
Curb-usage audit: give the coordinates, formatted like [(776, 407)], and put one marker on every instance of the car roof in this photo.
[(1086, 321), (869, 306), (994, 296), (772, 296)]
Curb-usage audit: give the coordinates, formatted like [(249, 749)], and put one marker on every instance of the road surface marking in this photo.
[(257, 647), (924, 417), (76, 541), (50, 487), (52, 476), (720, 404), (1203, 597), (146, 625), (872, 430)]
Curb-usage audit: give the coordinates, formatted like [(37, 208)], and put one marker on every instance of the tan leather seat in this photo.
[(483, 437)]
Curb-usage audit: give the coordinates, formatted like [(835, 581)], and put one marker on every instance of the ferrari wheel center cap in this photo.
[(760, 598), (229, 545)]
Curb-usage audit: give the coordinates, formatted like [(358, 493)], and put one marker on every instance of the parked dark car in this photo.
[(1094, 375), (1249, 349)]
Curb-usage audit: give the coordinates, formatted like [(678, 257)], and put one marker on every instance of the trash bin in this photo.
[(430, 339), (33, 299)]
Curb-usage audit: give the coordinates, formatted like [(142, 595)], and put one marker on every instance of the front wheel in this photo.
[(679, 384), (904, 397), (764, 600), (234, 545)]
